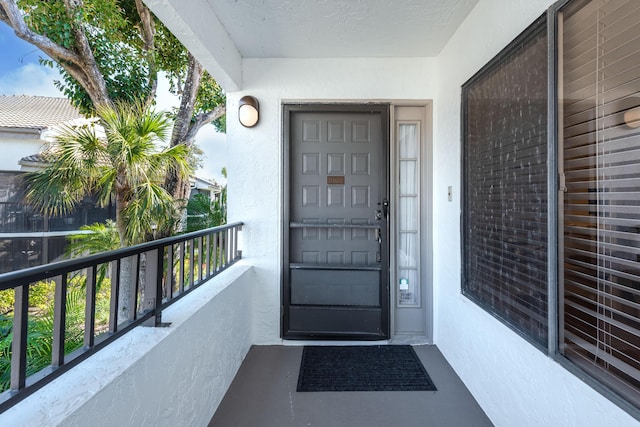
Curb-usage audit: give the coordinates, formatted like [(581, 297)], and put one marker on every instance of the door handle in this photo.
[(384, 212), (385, 208)]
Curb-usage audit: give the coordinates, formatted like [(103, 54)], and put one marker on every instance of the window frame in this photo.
[(556, 302), (554, 266), (530, 32)]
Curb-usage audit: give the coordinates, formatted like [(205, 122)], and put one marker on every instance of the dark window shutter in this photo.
[(505, 185)]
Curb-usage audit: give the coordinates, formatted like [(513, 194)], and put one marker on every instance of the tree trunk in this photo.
[(181, 192), (127, 289), (128, 267), (177, 186)]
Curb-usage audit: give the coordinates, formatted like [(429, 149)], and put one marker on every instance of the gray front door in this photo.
[(336, 276)]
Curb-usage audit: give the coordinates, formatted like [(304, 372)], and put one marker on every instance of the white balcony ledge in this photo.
[(175, 375)]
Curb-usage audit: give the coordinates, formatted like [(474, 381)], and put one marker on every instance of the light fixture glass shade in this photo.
[(632, 117), (248, 111)]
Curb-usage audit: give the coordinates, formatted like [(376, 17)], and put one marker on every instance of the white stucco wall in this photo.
[(174, 376), (255, 155), (15, 148), (513, 382)]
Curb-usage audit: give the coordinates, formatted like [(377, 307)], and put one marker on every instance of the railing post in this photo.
[(192, 262), (59, 321), (181, 269), (115, 291), (90, 307), (215, 235), (159, 269), (168, 282), (208, 259), (200, 259), (19, 344), (153, 286)]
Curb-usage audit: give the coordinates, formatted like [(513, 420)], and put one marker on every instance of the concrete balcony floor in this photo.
[(263, 394)]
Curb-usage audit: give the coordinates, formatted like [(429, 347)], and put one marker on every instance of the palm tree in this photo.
[(122, 158), (127, 162)]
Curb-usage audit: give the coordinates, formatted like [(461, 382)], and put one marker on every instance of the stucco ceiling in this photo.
[(340, 28), (222, 33)]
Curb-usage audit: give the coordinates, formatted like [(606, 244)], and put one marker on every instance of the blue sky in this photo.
[(15, 52), (22, 74)]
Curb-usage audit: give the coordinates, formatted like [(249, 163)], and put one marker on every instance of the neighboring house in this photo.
[(208, 187), (27, 124)]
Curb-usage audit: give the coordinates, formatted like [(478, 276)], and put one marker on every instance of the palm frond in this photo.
[(152, 207), (76, 157), (102, 237), (130, 162)]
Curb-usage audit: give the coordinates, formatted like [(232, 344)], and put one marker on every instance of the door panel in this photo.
[(336, 243), (335, 287)]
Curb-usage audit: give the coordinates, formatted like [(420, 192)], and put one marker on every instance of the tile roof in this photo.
[(34, 158), (35, 112)]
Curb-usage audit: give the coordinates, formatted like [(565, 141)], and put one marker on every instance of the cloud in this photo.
[(35, 79), (30, 79)]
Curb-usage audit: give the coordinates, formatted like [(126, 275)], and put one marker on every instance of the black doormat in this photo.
[(362, 368)]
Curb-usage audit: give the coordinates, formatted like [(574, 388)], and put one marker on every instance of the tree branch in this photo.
[(203, 119), (13, 17), (148, 32), (187, 102), (3, 15), (81, 66), (98, 88)]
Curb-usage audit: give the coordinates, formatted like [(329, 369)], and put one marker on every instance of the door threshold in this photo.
[(299, 343), (410, 339)]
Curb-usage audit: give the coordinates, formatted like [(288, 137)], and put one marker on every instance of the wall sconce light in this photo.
[(632, 117), (248, 111)]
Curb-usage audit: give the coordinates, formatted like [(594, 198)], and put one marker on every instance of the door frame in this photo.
[(384, 109)]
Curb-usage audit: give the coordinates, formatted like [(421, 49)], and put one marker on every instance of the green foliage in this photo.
[(114, 39), (101, 238), (7, 301), (41, 294), (128, 162), (6, 337), (203, 213), (113, 29), (199, 213), (210, 95), (40, 326)]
